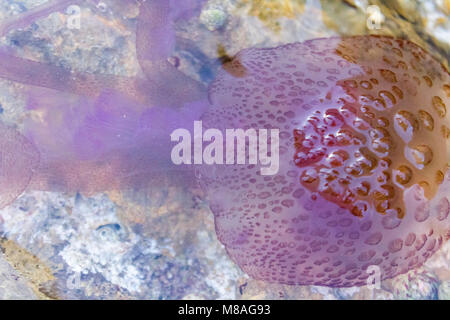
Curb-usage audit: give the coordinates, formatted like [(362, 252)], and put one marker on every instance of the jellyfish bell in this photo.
[(363, 177)]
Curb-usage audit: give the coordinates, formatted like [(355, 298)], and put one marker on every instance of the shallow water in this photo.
[(160, 242)]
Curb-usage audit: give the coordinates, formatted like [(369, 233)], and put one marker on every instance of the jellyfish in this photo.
[(363, 178), (363, 146)]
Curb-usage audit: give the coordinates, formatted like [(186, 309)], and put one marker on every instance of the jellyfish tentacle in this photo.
[(155, 41), (49, 76), (39, 74), (107, 143), (165, 85), (18, 160)]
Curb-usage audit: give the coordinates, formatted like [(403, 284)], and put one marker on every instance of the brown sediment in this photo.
[(36, 273)]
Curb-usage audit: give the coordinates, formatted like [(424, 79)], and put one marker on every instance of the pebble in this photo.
[(213, 18)]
